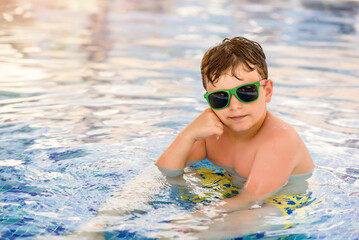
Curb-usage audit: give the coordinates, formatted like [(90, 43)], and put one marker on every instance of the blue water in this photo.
[(93, 91)]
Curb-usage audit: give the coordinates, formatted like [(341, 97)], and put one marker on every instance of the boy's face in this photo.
[(240, 116)]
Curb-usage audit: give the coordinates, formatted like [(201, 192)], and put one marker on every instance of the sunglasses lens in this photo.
[(248, 93), (218, 99)]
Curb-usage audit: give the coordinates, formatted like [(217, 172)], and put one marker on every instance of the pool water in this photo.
[(93, 91)]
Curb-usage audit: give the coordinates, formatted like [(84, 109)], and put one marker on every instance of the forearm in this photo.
[(244, 200), (235, 204), (175, 156), (190, 143)]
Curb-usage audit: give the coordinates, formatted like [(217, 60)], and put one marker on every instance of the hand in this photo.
[(205, 125)]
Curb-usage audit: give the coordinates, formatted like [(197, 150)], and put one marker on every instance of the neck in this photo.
[(245, 136)]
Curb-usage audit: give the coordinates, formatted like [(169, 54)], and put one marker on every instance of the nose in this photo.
[(234, 103)]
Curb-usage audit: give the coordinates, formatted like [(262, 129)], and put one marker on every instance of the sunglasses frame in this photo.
[(234, 92)]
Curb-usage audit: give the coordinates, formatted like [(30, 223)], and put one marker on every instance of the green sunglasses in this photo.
[(245, 93)]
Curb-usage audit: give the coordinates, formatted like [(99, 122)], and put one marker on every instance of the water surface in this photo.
[(91, 92)]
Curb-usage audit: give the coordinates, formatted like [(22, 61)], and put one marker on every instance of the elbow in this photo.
[(170, 172)]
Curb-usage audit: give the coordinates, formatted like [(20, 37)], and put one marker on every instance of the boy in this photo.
[(237, 132)]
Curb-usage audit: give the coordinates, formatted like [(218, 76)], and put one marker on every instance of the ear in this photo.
[(268, 90)]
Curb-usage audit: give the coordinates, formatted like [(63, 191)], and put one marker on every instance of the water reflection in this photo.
[(93, 55)]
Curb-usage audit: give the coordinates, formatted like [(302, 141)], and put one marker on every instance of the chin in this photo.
[(240, 127)]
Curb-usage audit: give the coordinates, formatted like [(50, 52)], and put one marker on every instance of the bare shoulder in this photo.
[(277, 130), (282, 143)]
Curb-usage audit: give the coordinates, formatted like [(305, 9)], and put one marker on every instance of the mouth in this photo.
[(237, 118)]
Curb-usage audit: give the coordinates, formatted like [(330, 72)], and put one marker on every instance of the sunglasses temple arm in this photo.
[(264, 82)]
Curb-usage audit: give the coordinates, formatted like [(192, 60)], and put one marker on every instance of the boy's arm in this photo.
[(272, 167), (183, 148), (190, 143)]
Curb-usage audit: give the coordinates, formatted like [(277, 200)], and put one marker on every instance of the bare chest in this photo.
[(240, 157)]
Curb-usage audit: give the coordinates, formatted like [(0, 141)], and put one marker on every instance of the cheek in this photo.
[(259, 109), (256, 109), (260, 103), (221, 114)]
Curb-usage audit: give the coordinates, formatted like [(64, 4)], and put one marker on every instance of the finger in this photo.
[(218, 132), (220, 125), (216, 118), (219, 128)]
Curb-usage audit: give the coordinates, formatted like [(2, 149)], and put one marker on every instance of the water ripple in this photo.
[(94, 90)]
